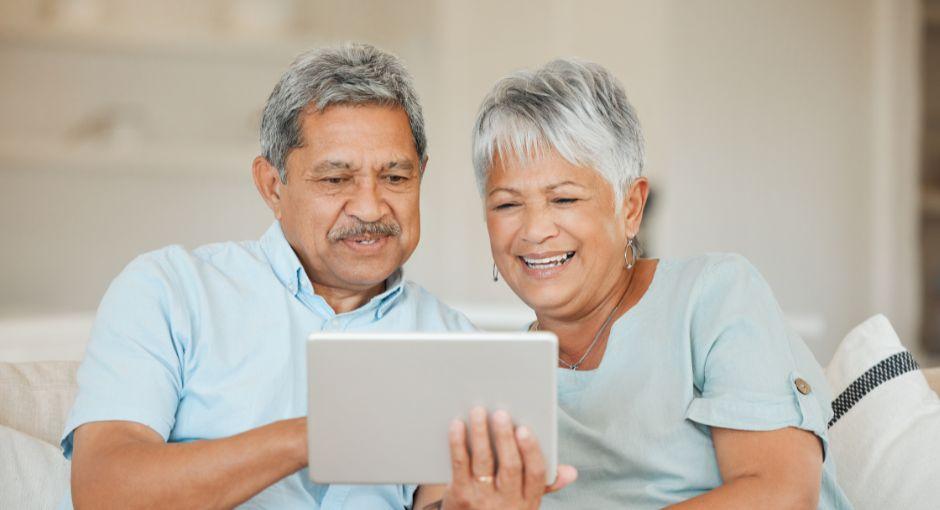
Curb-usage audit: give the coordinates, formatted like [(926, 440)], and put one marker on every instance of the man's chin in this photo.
[(365, 274)]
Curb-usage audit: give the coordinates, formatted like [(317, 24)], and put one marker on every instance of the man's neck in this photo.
[(343, 300)]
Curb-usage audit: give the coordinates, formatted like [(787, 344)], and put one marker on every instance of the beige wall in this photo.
[(765, 124)]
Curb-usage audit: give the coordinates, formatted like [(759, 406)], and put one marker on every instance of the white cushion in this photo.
[(887, 446), (35, 397), (33, 473)]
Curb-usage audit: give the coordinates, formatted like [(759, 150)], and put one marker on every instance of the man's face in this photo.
[(350, 207)]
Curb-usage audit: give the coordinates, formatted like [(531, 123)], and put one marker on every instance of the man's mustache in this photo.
[(386, 228)]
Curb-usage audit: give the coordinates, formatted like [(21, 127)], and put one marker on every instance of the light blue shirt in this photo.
[(211, 343), (706, 346)]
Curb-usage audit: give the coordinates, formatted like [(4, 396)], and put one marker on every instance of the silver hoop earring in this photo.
[(495, 273), (634, 252)]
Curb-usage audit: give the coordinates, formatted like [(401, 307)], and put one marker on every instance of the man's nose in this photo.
[(367, 202), (539, 225)]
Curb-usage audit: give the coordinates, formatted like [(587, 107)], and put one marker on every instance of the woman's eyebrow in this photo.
[(551, 187), (507, 190)]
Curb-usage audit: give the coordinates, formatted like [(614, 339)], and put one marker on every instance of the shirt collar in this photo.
[(393, 290), (282, 258), (290, 271)]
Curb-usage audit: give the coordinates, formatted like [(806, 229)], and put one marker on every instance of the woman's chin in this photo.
[(545, 299)]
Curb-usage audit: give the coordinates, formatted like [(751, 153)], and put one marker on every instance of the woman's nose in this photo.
[(539, 226)]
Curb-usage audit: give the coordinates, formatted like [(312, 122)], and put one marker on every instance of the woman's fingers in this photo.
[(565, 475), (521, 464), (509, 477), (481, 453), (459, 458), (533, 463)]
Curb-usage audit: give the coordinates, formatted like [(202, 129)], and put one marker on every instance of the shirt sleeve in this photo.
[(750, 371), (132, 366)]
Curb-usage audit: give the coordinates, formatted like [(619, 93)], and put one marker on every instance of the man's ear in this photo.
[(268, 182), (634, 201)]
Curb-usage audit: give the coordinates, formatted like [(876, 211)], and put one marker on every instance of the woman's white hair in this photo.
[(575, 108)]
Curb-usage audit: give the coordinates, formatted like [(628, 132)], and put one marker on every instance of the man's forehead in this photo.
[(363, 127), (354, 112)]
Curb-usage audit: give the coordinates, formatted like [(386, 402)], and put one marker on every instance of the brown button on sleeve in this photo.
[(802, 386)]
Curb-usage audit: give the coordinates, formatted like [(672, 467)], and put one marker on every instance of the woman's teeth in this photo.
[(548, 262)]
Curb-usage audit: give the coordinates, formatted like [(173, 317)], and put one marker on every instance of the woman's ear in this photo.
[(634, 201), (268, 182)]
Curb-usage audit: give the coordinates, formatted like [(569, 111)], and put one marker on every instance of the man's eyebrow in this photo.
[(401, 164), (331, 164)]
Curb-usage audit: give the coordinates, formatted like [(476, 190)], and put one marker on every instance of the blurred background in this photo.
[(804, 134)]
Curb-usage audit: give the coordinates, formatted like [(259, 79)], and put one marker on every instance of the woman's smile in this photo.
[(546, 265)]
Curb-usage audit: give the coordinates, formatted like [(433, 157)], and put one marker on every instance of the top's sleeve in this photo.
[(751, 372), (132, 366)]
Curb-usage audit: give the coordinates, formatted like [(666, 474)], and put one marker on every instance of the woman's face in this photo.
[(555, 233)]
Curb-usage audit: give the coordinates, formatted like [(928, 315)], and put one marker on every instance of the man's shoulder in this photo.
[(178, 261), (431, 311)]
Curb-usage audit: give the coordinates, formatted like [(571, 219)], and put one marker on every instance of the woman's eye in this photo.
[(507, 205), (565, 200)]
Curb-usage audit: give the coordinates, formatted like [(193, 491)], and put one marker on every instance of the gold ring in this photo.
[(485, 479)]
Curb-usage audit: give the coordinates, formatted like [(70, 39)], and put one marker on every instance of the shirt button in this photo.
[(802, 386)]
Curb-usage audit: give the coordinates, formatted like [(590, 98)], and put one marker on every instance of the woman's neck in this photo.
[(576, 331)]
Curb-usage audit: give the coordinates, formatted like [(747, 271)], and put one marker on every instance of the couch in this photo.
[(35, 398)]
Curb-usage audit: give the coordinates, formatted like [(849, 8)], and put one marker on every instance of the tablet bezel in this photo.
[(514, 371)]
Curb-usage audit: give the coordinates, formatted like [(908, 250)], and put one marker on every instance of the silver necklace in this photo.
[(597, 336)]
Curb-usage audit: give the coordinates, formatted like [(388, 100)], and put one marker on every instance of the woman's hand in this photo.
[(515, 479)]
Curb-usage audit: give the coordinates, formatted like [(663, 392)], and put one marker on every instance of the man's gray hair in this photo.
[(575, 108), (356, 74)]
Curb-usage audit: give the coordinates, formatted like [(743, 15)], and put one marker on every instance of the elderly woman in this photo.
[(679, 382)]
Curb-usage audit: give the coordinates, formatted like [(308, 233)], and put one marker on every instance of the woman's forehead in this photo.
[(545, 171)]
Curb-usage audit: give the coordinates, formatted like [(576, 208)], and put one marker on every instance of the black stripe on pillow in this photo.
[(887, 369)]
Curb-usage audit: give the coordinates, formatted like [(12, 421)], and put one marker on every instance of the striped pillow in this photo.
[(885, 430)]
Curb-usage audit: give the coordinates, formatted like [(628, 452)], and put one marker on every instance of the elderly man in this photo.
[(192, 393)]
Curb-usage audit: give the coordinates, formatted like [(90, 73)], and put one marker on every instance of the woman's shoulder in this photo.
[(709, 268)]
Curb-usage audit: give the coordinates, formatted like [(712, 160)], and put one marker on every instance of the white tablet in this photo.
[(379, 405)]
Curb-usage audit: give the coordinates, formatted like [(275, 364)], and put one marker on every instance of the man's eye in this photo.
[(507, 205), (334, 180), (396, 179), (565, 200)]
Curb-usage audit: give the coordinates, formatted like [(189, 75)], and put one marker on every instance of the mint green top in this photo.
[(707, 345)]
